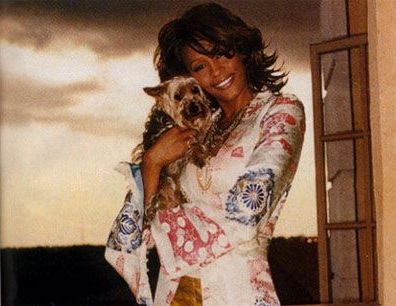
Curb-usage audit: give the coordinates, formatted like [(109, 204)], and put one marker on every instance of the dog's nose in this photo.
[(195, 109)]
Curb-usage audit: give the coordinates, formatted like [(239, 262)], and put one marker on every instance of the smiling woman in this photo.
[(255, 141)]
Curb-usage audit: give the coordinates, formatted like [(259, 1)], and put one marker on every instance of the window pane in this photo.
[(340, 178), (344, 266), (336, 95), (333, 19)]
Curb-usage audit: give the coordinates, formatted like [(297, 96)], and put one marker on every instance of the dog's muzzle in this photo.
[(194, 109)]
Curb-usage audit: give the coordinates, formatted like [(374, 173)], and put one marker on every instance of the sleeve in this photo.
[(126, 247), (270, 169)]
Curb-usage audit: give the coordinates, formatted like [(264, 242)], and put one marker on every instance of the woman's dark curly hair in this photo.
[(228, 33)]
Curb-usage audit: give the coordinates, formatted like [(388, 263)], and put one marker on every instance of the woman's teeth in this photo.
[(224, 83)]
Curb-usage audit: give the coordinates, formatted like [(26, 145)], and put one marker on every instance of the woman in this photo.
[(213, 248)]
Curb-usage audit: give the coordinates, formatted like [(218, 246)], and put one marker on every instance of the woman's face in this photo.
[(223, 78)]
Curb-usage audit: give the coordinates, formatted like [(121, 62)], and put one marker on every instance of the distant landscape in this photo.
[(80, 276)]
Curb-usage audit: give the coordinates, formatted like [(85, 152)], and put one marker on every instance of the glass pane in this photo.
[(340, 178), (333, 19), (336, 94), (344, 266)]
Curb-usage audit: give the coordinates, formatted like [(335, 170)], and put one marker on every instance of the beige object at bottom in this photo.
[(188, 292)]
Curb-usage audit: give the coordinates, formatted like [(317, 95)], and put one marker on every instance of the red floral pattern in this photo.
[(260, 278), (120, 264), (189, 244)]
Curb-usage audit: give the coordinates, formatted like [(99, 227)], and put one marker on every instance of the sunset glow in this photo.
[(72, 106)]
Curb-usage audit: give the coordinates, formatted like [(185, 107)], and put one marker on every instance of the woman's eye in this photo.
[(198, 67)]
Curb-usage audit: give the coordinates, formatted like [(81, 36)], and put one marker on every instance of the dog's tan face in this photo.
[(183, 100)]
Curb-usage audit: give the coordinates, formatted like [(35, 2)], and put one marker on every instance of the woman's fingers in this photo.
[(171, 146)]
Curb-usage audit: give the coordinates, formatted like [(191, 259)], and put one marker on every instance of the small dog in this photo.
[(179, 101)]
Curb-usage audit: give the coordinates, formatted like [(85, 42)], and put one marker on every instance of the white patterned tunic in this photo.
[(221, 234)]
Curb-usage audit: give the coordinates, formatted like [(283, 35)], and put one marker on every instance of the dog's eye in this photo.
[(178, 96), (195, 90)]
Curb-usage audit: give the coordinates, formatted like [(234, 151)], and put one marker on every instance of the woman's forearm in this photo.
[(171, 146), (150, 176)]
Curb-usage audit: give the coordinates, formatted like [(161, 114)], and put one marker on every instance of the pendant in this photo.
[(204, 177)]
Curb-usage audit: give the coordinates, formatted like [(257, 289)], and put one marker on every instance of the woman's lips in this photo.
[(225, 83)]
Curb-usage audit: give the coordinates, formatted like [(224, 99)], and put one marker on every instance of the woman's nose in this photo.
[(216, 66)]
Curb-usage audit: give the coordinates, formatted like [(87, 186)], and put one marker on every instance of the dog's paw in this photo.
[(199, 162), (199, 155)]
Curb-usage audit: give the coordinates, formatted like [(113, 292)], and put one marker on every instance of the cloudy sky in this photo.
[(72, 106)]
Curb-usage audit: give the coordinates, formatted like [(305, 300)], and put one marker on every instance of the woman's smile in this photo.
[(225, 83)]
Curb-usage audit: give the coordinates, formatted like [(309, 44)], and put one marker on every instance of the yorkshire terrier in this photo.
[(178, 102)]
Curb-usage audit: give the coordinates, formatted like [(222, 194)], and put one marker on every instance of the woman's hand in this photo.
[(171, 145)]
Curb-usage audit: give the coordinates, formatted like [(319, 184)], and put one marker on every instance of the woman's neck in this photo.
[(230, 111)]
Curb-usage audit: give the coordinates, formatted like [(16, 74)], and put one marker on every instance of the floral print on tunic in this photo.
[(195, 238), (126, 234), (250, 198)]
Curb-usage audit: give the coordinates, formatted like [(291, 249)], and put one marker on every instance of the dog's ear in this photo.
[(156, 91)]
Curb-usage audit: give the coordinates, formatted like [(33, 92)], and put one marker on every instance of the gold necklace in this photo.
[(204, 177), (215, 138), (217, 135)]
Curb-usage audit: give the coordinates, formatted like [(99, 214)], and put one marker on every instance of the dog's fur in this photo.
[(179, 101)]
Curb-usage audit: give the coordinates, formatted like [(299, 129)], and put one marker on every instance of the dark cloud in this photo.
[(33, 96), (119, 27), (99, 126), (25, 101)]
